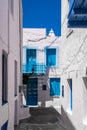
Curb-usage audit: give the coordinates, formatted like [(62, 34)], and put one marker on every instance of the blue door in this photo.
[(4, 127), (51, 57), (31, 59), (32, 92)]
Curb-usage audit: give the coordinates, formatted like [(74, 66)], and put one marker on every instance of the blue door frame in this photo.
[(32, 92), (70, 94)]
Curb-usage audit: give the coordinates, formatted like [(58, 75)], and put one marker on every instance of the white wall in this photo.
[(10, 42), (3, 45), (73, 65)]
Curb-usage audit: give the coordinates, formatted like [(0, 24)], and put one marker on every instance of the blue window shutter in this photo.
[(54, 86), (51, 57), (31, 59)]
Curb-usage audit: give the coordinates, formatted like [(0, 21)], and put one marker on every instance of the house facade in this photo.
[(55, 69), (41, 68), (74, 64), (10, 62)]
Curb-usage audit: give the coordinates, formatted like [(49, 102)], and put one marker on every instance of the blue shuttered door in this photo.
[(31, 59), (51, 57), (32, 92), (54, 86)]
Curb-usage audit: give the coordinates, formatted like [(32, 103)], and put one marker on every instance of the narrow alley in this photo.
[(42, 119)]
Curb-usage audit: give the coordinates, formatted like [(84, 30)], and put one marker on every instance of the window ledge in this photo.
[(55, 96)]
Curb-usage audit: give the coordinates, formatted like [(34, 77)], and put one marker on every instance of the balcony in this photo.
[(77, 16), (36, 69)]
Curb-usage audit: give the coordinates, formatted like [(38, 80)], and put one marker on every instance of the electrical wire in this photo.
[(75, 54)]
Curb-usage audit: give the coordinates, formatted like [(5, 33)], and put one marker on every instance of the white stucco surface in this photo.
[(73, 65), (10, 42)]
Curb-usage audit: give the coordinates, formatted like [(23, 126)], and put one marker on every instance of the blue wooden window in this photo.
[(31, 59), (4, 127), (51, 57), (54, 86)]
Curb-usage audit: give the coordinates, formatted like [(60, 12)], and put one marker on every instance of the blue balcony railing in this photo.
[(35, 68), (78, 13)]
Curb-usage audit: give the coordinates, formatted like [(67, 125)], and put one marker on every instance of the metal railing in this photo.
[(34, 68)]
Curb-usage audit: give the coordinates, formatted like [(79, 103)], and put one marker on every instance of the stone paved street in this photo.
[(42, 119)]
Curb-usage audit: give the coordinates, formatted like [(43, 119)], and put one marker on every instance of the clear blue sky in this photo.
[(42, 14)]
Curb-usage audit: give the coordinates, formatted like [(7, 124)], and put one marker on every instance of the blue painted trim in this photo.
[(71, 8), (71, 94)]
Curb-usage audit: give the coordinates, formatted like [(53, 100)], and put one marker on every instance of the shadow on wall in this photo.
[(46, 96), (44, 99), (66, 119), (85, 81)]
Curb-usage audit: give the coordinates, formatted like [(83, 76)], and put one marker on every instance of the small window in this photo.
[(44, 87), (4, 77), (62, 90)]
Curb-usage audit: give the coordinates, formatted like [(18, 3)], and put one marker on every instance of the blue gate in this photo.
[(32, 92)]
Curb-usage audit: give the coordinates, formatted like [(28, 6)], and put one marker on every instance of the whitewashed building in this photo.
[(41, 68), (74, 64), (56, 68), (10, 62)]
